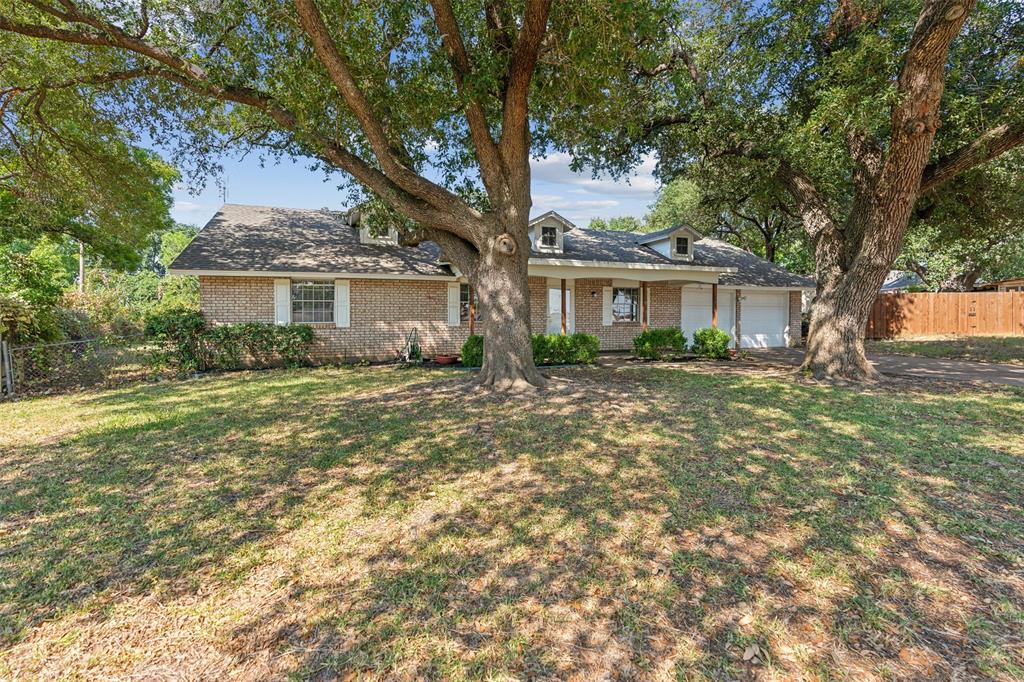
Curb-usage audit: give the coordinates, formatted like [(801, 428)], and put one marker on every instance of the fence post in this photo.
[(6, 369)]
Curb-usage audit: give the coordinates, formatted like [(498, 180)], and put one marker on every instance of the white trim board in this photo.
[(310, 275)]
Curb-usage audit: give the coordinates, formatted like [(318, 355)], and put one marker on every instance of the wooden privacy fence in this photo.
[(976, 313)]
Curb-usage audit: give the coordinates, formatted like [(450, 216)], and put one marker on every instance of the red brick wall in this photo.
[(795, 326), (664, 312), (382, 313)]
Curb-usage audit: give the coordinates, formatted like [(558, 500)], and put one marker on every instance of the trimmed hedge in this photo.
[(711, 343), (659, 344), (190, 344), (548, 349)]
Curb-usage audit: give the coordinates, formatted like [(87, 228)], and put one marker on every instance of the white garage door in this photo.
[(765, 317), (696, 306)]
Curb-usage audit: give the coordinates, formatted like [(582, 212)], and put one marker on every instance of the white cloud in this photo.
[(556, 169), (581, 197), (193, 212)]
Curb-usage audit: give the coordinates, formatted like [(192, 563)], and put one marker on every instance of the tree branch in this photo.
[(810, 204), (515, 130), (195, 78), (341, 75), (488, 155), (986, 147)]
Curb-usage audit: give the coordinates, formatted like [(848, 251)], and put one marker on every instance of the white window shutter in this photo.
[(282, 301), (342, 303), (647, 302), (606, 310), (453, 304)]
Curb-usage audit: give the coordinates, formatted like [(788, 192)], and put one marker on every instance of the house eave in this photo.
[(680, 267), (311, 275)]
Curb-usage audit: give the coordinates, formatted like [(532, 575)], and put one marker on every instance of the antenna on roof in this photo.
[(224, 190)]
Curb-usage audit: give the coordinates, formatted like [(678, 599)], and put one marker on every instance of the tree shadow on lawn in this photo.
[(595, 547), (636, 523)]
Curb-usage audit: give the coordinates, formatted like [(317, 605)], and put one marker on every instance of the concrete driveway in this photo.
[(925, 368)]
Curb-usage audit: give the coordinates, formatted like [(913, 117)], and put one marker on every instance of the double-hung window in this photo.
[(312, 301), (549, 236), (625, 305), (683, 246)]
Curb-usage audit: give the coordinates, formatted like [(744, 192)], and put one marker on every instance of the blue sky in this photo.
[(578, 197)]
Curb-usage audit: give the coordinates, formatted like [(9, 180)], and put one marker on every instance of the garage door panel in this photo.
[(765, 318), (696, 311)]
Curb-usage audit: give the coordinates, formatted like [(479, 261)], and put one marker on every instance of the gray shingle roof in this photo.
[(751, 270), (611, 245), (267, 239)]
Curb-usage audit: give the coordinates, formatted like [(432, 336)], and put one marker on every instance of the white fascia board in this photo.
[(311, 275), (658, 275), (621, 265), (746, 287)]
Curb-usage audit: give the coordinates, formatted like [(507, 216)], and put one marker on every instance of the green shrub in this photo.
[(22, 323), (548, 349), (659, 344), (190, 344), (180, 334), (473, 351), (584, 348), (711, 343)]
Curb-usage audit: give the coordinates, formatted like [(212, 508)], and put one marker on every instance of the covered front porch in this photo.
[(615, 310)]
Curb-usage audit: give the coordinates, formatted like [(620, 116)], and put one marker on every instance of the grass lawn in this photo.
[(1006, 349), (637, 523)]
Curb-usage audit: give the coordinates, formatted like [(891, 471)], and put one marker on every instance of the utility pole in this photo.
[(81, 267)]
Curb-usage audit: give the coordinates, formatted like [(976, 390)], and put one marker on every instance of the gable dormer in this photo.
[(367, 236), (357, 219), (676, 242), (547, 232)]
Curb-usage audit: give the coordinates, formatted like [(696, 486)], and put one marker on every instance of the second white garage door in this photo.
[(764, 319)]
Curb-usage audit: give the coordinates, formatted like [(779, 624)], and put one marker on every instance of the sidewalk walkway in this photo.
[(925, 368)]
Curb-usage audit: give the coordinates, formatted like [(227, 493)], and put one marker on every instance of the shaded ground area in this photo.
[(934, 369), (1001, 349), (700, 522)]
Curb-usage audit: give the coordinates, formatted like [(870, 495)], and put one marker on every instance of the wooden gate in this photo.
[(977, 313)]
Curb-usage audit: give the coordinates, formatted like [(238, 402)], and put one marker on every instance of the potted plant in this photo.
[(446, 359)]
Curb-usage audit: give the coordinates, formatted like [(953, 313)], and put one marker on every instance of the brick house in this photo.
[(363, 293)]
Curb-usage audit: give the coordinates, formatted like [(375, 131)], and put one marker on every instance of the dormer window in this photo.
[(549, 236), (676, 243), (366, 236), (547, 232)]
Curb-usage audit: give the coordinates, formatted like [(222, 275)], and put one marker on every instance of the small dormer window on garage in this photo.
[(682, 246)]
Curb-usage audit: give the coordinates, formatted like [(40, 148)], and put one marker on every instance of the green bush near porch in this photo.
[(548, 349), (711, 342), (659, 344)]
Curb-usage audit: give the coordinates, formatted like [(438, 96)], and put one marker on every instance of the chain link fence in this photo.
[(70, 365)]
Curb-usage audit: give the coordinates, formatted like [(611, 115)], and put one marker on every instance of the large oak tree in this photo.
[(428, 106), (858, 109)]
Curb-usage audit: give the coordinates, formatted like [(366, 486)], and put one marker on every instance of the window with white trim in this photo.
[(464, 300), (625, 305), (683, 246), (312, 301), (549, 236)]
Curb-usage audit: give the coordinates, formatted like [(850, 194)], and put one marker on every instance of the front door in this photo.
[(555, 311)]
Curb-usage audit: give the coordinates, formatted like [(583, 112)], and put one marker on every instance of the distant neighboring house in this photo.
[(1014, 284), (899, 280), (363, 294)]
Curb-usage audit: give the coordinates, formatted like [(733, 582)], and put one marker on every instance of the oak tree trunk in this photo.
[(835, 340), (501, 284)]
